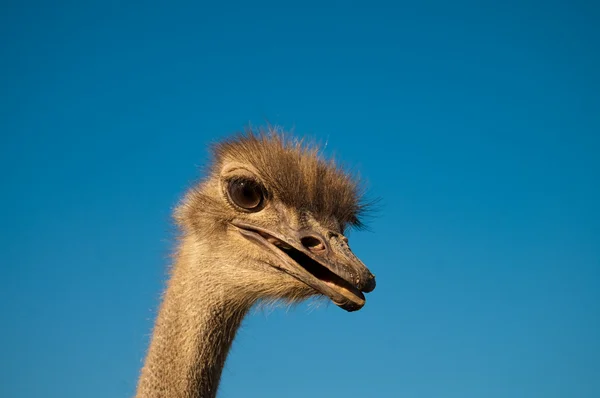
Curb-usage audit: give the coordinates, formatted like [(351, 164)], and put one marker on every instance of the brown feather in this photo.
[(297, 174)]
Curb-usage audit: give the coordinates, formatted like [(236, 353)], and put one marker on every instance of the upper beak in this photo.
[(326, 264)]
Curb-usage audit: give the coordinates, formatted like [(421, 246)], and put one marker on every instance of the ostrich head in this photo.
[(271, 215)]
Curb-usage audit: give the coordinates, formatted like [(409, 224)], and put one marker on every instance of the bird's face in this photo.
[(294, 248)]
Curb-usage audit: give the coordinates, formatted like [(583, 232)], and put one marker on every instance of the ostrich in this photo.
[(266, 224)]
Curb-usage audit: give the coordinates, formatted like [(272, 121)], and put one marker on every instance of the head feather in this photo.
[(297, 174)]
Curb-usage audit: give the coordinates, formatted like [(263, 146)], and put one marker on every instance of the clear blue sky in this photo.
[(477, 124)]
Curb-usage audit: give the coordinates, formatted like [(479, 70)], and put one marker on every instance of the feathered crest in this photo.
[(297, 173)]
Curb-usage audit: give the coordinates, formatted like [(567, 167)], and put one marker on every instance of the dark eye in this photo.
[(247, 194)]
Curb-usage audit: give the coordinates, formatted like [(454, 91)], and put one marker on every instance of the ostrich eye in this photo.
[(247, 194)]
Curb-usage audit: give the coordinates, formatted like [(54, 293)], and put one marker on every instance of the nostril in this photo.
[(313, 244)]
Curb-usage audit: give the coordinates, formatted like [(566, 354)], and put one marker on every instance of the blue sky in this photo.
[(478, 124)]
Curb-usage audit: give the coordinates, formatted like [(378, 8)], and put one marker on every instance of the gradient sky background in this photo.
[(477, 124)]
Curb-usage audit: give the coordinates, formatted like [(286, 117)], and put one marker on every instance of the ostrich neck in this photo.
[(194, 330)]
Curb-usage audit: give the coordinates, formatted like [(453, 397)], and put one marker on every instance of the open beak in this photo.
[(326, 265)]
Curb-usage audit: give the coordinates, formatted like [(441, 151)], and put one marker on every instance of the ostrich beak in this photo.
[(326, 265)]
